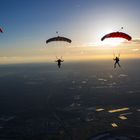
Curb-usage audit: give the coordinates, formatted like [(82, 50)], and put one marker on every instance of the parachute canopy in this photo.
[(58, 38), (117, 35), (1, 30)]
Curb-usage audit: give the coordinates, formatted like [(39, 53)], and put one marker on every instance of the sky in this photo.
[(27, 24)]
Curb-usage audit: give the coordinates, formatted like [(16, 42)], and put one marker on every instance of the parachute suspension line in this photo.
[(56, 57), (59, 57), (60, 45), (57, 45), (56, 48), (116, 53), (119, 55)]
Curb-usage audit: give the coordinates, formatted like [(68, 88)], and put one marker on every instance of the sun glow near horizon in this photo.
[(114, 42)]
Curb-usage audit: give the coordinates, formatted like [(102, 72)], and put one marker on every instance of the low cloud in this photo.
[(136, 41), (135, 50), (133, 43)]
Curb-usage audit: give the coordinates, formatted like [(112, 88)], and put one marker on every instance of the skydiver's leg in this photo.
[(115, 65), (119, 64)]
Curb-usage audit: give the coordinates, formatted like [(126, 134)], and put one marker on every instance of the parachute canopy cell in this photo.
[(117, 35), (58, 38)]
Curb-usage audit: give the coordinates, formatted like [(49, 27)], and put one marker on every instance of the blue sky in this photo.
[(28, 23)]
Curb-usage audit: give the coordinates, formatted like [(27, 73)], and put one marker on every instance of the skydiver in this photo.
[(59, 62), (116, 59)]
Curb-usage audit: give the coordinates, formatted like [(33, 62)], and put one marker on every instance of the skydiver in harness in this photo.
[(59, 61), (117, 59)]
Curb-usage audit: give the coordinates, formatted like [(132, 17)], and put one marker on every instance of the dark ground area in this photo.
[(42, 102)]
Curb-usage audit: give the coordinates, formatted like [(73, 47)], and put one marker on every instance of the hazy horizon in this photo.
[(27, 25)]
